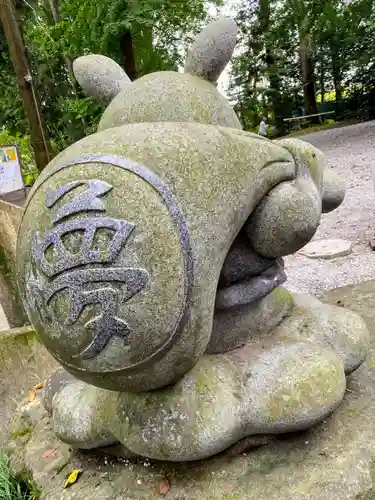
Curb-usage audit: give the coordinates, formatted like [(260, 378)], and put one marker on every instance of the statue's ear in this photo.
[(100, 77), (212, 50)]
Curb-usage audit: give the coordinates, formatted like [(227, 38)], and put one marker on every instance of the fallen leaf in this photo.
[(49, 453), (31, 396), (73, 477), (163, 486), (39, 386)]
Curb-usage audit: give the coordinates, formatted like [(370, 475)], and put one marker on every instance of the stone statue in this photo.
[(150, 264)]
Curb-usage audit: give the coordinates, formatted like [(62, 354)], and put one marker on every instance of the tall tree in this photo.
[(141, 35), (17, 51)]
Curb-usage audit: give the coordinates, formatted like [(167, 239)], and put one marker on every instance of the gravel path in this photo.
[(350, 151)]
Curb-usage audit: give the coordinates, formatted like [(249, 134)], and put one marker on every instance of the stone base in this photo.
[(327, 249), (335, 460)]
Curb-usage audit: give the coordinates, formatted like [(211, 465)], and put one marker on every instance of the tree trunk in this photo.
[(55, 9), (308, 76), (241, 112), (276, 94), (274, 80), (127, 52), (337, 79), (322, 83), (38, 131)]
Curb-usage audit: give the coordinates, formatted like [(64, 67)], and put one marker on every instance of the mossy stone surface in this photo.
[(299, 204), (216, 176), (249, 323), (333, 460), (10, 217), (212, 50), (24, 363), (100, 77), (284, 381), (170, 97), (329, 184)]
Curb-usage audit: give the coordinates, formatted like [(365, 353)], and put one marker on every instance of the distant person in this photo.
[(262, 130)]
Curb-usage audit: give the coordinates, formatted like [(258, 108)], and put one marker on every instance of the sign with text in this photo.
[(10, 170)]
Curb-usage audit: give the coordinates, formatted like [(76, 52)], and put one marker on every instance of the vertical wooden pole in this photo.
[(38, 132)]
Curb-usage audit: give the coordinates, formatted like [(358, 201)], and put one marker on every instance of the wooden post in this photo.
[(38, 132)]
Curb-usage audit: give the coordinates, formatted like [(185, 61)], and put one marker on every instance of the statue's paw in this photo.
[(341, 330), (82, 415), (286, 387), (55, 383)]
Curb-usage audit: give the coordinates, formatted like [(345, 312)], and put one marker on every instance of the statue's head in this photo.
[(191, 96)]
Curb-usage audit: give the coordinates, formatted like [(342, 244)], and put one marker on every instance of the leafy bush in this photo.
[(29, 170), (15, 486)]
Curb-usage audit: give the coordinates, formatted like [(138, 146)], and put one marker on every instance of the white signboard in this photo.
[(10, 170)]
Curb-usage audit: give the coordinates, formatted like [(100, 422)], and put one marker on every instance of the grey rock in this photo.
[(100, 77), (310, 156), (299, 207), (157, 241), (10, 218), (170, 181), (248, 392), (85, 409), (331, 187), (212, 50), (169, 97), (304, 300), (327, 249), (299, 204), (333, 460), (235, 327), (242, 262), (287, 380), (251, 289), (334, 189), (55, 383), (344, 330), (259, 389)]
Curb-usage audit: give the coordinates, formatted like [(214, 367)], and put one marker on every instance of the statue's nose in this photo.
[(333, 192)]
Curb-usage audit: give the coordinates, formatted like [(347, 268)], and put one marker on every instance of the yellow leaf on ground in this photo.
[(31, 396), (73, 477), (39, 386)]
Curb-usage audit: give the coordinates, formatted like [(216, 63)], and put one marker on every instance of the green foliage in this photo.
[(292, 55), (340, 42), (11, 112), (157, 27), (29, 170), (15, 486), (58, 31)]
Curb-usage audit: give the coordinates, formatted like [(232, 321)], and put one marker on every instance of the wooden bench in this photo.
[(298, 119)]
